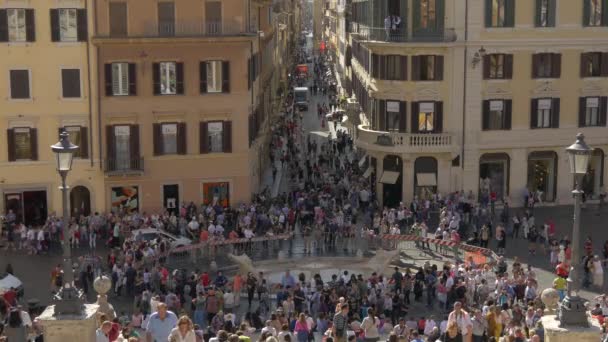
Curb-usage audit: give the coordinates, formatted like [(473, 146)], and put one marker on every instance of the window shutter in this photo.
[(508, 67), (382, 72), (555, 113), (415, 68), (508, 107), (156, 78), (204, 148), (34, 143), (227, 136), (582, 109), (381, 115), (485, 117), (486, 67), (132, 79), (403, 62), (108, 79), (402, 116), (110, 144), (586, 12), (551, 14), (225, 77), (182, 138), (440, 5), (375, 66), (556, 65), (30, 25), (605, 13), (157, 138), (439, 68), (10, 143), (134, 146), (603, 109), (3, 26), (509, 13), (535, 62), (488, 13), (534, 113), (414, 116), (84, 143), (537, 13), (438, 117), (179, 75), (416, 15), (203, 76), (604, 63), (583, 66), (55, 37), (81, 24)]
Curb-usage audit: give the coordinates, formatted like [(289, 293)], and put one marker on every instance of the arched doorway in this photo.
[(392, 180), (494, 175), (594, 179), (80, 201), (542, 175), (425, 177)]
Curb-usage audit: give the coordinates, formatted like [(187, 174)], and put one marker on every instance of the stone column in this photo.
[(519, 176), (63, 328), (379, 186), (555, 333), (444, 168), (407, 181)]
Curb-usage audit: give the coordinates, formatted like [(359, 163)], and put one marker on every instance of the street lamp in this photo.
[(68, 299), (572, 309)]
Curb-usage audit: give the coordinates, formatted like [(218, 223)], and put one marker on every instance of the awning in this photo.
[(389, 177), (362, 160), (426, 179), (367, 172)]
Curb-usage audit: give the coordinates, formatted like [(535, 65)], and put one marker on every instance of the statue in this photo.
[(102, 285), (550, 298)]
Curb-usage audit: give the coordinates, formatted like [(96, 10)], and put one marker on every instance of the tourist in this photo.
[(301, 328), (160, 324), (101, 334), (184, 332), (340, 323), (370, 326)]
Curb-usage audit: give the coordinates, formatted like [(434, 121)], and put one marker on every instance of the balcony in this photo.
[(395, 142), (127, 166), (380, 34), (188, 29)]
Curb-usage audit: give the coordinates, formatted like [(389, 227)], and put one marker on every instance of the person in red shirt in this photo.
[(233, 235), (11, 296), (205, 279), (562, 270), (204, 236)]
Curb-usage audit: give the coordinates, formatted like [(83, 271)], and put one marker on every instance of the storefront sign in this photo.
[(496, 105), (544, 104), (427, 107), (593, 102), (169, 129), (122, 130), (392, 106)]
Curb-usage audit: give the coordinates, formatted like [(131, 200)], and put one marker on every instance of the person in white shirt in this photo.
[(429, 325), (461, 318), (101, 334), (269, 328), (211, 229)]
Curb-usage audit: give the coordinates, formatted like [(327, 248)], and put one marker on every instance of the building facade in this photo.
[(48, 86), (479, 95)]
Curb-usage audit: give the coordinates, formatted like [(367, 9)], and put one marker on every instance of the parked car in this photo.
[(152, 235)]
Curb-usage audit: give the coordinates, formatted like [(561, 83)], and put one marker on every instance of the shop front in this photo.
[(391, 179), (542, 175), (494, 175), (29, 206), (425, 177), (594, 179)]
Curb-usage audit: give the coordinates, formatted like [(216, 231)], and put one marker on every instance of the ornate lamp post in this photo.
[(572, 309), (69, 299)]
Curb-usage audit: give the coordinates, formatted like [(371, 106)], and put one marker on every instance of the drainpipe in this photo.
[(99, 129), (86, 7), (464, 88)]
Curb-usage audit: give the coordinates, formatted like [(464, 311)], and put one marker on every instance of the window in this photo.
[(389, 67), (546, 65), (68, 31), (16, 25), (215, 131), (498, 66), (69, 25), (22, 144), (122, 136), (544, 113), (216, 137), (20, 84), (595, 13), (500, 13), (70, 83), (213, 17), (427, 68), (393, 116), (594, 64), (78, 137), (592, 111), (496, 115), (215, 77), (118, 19), (545, 13), (120, 79), (166, 18), (123, 152), (168, 78), (169, 138), (427, 117), (428, 14)]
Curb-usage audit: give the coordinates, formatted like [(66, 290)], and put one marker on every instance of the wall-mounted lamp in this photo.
[(477, 57)]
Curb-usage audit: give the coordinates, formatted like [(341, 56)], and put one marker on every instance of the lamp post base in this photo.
[(572, 311), (68, 301)]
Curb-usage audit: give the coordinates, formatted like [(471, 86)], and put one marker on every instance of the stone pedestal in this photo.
[(102, 285), (69, 327), (555, 333)]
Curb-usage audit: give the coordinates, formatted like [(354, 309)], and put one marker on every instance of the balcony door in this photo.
[(428, 16), (213, 17), (123, 147)]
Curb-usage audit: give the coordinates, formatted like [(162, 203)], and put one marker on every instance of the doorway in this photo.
[(80, 201), (171, 197), (30, 207), (494, 175), (425, 177), (392, 180)]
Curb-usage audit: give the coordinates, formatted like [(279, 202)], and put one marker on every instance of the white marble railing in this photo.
[(439, 141)]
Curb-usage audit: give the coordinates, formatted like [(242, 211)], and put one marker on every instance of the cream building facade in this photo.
[(479, 95), (48, 85)]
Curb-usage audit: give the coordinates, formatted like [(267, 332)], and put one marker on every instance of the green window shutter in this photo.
[(510, 13), (537, 14), (440, 13), (605, 13), (416, 15), (552, 13), (488, 11), (586, 10)]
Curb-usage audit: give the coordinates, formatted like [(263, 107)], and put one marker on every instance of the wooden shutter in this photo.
[(440, 15), (508, 66), (10, 143), (486, 66), (604, 63), (556, 65), (555, 104), (508, 107), (535, 63), (227, 136), (582, 111), (552, 12), (488, 13), (157, 137), (110, 144), (537, 13), (30, 25), (509, 13), (534, 113), (438, 68), (203, 143), (84, 143), (403, 62), (438, 128), (55, 36), (81, 24), (416, 15), (375, 66), (402, 116), (108, 79), (132, 79), (34, 143), (583, 67), (156, 78), (485, 115), (382, 73), (225, 77), (3, 26), (134, 147), (203, 76), (415, 68), (179, 75), (414, 116), (603, 108), (605, 14), (381, 107), (182, 138), (586, 12)]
